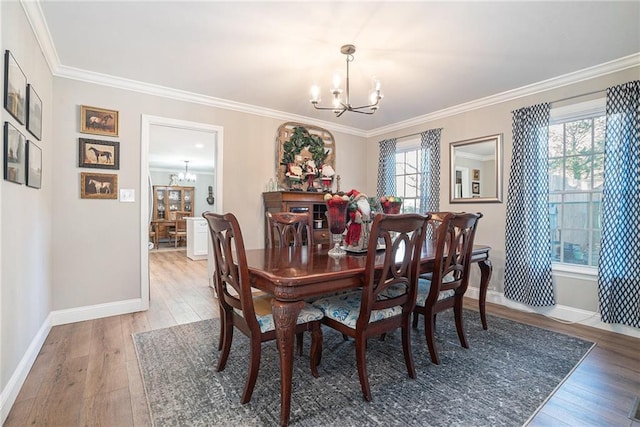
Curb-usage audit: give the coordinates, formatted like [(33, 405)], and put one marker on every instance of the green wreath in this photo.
[(300, 139)]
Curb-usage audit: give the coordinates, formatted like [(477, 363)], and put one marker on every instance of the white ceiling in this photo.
[(429, 56)]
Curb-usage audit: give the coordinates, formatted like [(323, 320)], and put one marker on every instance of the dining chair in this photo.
[(445, 287), (370, 311), (289, 229), (241, 309), (153, 234), (179, 230)]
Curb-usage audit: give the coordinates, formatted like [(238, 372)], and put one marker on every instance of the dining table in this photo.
[(295, 274)]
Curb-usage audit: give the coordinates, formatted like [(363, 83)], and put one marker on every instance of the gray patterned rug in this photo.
[(507, 373)]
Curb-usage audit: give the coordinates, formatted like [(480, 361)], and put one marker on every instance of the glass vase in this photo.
[(337, 216)]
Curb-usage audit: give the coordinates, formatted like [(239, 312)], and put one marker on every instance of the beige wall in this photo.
[(25, 213), (579, 294), (96, 242)]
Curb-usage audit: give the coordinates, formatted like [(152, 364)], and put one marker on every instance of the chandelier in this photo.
[(186, 176), (339, 106)]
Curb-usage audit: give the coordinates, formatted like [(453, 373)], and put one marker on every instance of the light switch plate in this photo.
[(127, 195)]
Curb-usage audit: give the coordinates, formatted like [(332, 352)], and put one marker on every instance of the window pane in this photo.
[(556, 175), (578, 137), (576, 211), (399, 186), (412, 161), (576, 247), (400, 164), (555, 245), (595, 252), (556, 141), (596, 212), (598, 134), (598, 171), (411, 189), (408, 205), (555, 211), (578, 172)]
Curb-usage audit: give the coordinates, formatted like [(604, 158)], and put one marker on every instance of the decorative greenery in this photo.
[(301, 139)]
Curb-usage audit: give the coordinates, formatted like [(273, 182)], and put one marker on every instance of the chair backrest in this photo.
[(403, 236), (231, 275), (289, 229), (454, 234)]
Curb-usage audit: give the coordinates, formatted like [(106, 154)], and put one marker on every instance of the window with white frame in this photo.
[(408, 175), (576, 166)]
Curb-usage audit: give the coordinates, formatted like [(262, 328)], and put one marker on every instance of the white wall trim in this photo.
[(561, 313), (98, 311), (10, 392)]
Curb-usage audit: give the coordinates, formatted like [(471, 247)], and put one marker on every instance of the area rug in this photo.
[(501, 380)]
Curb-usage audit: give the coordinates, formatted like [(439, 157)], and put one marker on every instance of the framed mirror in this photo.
[(476, 170)]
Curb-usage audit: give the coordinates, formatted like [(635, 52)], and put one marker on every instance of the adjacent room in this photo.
[(320, 213)]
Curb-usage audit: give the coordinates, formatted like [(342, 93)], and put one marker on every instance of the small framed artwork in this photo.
[(98, 121), (34, 113), (14, 156), (98, 185), (34, 165), (475, 174), (475, 187), (15, 86), (93, 153)]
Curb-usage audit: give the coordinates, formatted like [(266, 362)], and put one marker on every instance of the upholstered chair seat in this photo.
[(345, 308), (262, 307)]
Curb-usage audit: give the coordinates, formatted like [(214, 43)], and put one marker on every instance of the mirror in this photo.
[(476, 170)]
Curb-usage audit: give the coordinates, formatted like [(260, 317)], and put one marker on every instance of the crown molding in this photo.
[(553, 83), (38, 24)]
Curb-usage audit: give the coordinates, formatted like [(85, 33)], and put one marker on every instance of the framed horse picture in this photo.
[(15, 87), (93, 153), (98, 121), (98, 185)]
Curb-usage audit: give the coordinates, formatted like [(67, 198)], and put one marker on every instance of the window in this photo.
[(408, 179), (576, 165)]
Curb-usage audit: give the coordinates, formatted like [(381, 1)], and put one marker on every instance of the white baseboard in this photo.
[(10, 392), (98, 311), (59, 317), (561, 313)]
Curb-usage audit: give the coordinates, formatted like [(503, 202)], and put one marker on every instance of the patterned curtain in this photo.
[(619, 264), (527, 276), (430, 170), (387, 168)]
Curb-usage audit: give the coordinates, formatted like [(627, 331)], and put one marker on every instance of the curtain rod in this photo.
[(577, 96), (414, 134)]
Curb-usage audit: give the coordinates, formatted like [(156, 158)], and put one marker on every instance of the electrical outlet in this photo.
[(127, 195)]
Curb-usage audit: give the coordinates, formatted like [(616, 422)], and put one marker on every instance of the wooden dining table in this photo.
[(294, 274)]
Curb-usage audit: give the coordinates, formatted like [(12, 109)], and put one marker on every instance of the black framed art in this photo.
[(15, 86), (34, 165), (93, 153), (14, 156), (34, 113)]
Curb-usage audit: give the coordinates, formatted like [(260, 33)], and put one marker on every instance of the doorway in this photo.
[(153, 125)]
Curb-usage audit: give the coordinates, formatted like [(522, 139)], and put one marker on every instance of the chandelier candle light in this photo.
[(339, 107), (186, 176)]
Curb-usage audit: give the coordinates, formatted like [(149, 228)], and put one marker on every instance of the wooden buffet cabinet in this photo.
[(171, 204), (299, 201)]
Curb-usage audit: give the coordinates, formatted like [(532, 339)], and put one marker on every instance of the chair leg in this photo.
[(415, 320), (361, 360), (429, 331), (406, 347), (457, 311), (299, 342), (254, 366), (316, 349), (227, 337)]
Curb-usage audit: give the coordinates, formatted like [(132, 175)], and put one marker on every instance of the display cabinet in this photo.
[(169, 205), (169, 201), (299, 201)]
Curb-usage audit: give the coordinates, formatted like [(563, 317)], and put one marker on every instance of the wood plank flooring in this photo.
[(86, 373)]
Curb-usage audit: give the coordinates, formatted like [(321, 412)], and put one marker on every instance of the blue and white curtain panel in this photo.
[(387, 168), (430, 170), (527, 277), (619, 263)]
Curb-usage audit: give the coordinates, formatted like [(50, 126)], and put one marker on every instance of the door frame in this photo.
[(145, 126)]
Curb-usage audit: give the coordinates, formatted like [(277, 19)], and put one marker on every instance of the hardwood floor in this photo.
[(87, 373)]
